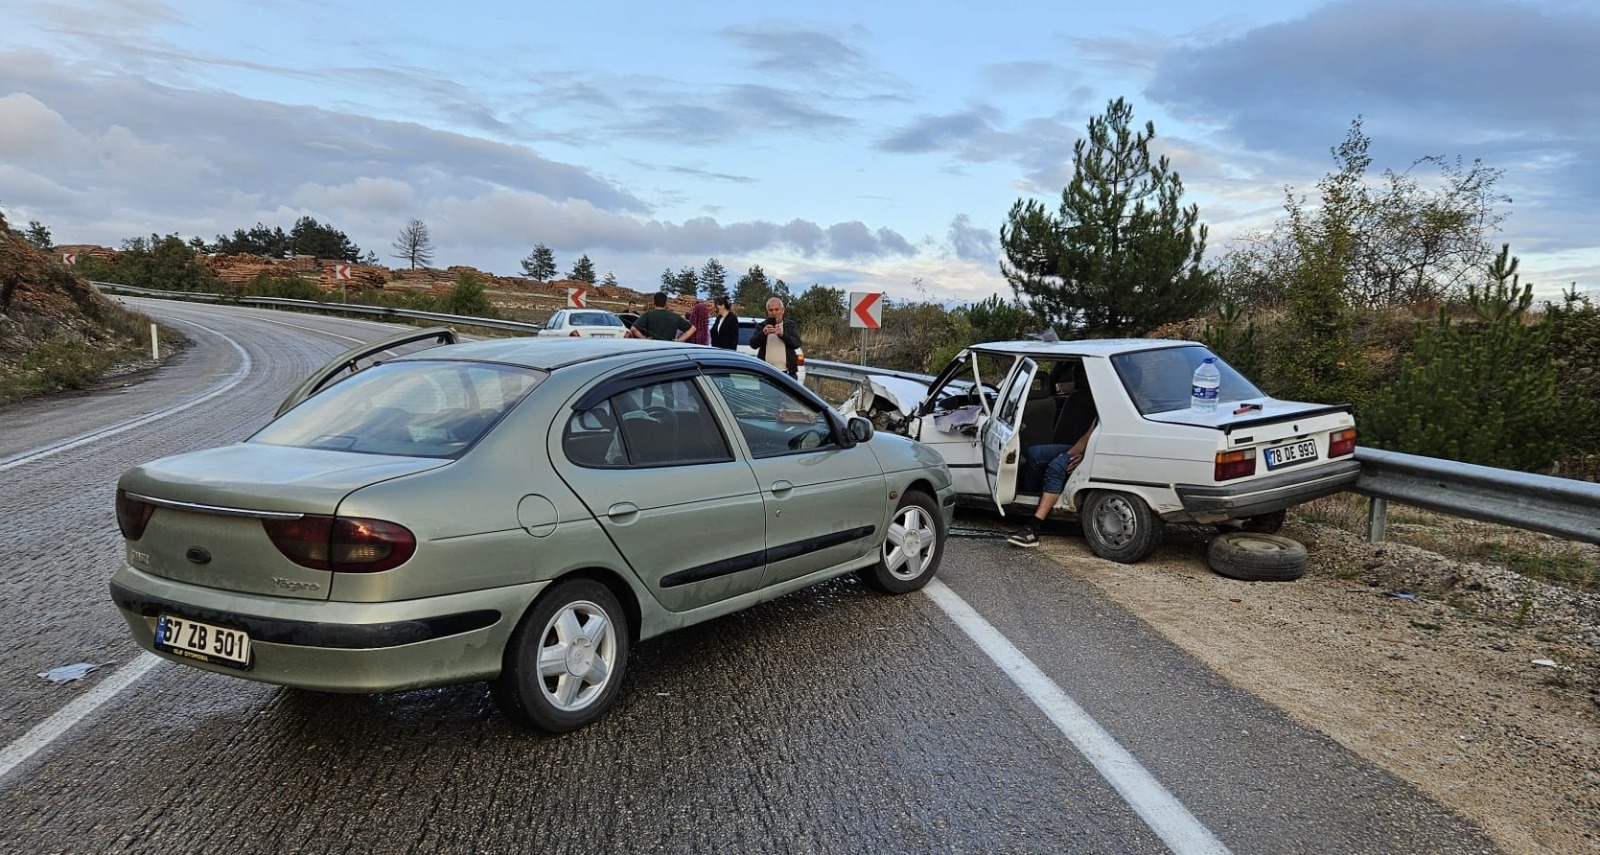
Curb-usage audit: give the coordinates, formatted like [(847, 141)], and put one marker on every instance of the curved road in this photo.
[(1009, 708)]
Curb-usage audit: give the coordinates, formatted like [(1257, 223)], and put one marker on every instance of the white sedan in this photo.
[(1149, 460), (583, 323)]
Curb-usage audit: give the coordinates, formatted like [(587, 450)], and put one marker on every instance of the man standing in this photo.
[(663, 324), (778, 341)]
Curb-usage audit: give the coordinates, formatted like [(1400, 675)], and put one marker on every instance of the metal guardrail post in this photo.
[(1377, 520)]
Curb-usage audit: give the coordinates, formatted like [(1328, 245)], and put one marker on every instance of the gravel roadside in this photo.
[(1475, 684)]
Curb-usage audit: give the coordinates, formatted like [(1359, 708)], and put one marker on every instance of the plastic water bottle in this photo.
[(1207, 382)]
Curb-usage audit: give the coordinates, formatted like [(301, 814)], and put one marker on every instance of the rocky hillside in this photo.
[(56, 331)]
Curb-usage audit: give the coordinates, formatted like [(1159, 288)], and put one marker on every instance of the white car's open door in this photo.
[(1002, 436)]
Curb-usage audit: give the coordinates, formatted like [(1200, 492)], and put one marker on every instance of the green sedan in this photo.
[(520, 511)]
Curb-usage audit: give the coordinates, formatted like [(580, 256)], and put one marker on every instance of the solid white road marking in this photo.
[(1159, 809), (46, 732)]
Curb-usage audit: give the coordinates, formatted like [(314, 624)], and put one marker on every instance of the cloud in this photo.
[(970, 243)]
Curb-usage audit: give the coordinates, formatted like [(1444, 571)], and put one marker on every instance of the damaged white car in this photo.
[(1149, 458)]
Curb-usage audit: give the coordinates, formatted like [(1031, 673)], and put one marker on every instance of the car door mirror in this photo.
[(859, 429)]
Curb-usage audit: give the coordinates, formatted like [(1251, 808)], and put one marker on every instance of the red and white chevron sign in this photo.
[(341, 271), (866, 310), (69, 258), (575, 298)]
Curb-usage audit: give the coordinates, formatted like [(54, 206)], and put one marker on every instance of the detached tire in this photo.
[(1254, 557), (565, 661), (1120, 526), (912, 548)]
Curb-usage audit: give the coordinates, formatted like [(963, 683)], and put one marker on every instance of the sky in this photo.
[(872, 147)]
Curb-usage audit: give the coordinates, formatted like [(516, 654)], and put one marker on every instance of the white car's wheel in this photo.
[(565, 661), (911, 549), (1256, 557), (1120, 526)]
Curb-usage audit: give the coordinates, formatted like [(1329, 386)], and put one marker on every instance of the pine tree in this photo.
[(610, 281), (686, 283), (582, 270), (751, 293), (1120, 256), (714, 278), (540, 264), (1479, 391)]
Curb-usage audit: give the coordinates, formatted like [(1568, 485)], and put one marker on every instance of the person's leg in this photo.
[(1035, 459), (1054, 482)]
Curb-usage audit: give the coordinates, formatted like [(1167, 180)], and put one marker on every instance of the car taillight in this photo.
[(573, 334), (1235, 464), (133, 515), (342, 544), (1342, 442)]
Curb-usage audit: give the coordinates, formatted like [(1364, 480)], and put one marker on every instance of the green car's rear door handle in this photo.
[(623, 512)]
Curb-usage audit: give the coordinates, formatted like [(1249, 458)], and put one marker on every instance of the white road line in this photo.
[(232, 380), (1163, 813), (46, 732)]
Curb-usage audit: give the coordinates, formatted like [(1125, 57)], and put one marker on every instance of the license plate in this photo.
[(1294, 452), (203, 641)]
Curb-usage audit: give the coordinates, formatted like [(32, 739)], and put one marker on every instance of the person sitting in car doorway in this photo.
[(663, 324), (1046, 467)]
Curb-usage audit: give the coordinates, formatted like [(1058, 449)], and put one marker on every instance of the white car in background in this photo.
[(583, 323), (1150, 460)]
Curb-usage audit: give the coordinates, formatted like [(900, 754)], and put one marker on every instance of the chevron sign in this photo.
[(866, 310), (575, 298)]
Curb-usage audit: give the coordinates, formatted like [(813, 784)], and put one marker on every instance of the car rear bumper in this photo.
[(1268, 494), (334, 646)]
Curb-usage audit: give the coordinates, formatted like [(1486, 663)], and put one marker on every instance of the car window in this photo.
[(417, 409), (1158, 381), (956, 392), (595, 319), (656, 424), (1014, 396), (556, 321), (773, 419)]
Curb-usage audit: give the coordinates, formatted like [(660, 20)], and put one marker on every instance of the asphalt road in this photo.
[(1009, 708)]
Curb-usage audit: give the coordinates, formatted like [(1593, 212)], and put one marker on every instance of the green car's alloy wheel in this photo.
[(566, 659), (1120, 526), (912, 548)]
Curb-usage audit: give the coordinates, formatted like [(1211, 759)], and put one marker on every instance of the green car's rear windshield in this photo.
[(416, 409)]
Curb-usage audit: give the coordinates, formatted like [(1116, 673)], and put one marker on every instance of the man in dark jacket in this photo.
[(778, 340)]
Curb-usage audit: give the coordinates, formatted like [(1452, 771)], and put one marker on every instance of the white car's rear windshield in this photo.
[(593, 319), (1159, 381), (415, 409)]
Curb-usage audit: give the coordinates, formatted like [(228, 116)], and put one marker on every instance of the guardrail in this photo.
[(1558, 506), (315, 305)]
